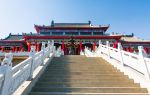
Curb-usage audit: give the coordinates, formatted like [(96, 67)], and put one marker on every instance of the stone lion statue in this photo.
[(7, 60)]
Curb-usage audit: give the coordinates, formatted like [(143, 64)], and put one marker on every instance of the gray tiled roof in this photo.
[(71, 24), (14, 37)]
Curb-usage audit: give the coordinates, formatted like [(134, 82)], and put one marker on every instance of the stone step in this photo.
[(91, 89), (98, 75), (86, 63), (61, 93), (91, 84), (83, 69), (86, 78), (82, 80), (67, 63), (78, 75), (78, 61), (80, 72), (76, 67)]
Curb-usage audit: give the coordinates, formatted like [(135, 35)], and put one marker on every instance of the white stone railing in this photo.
[(59, 52), (82, 53), (137, 66), (88, 52), (16, 53), (12, 77)]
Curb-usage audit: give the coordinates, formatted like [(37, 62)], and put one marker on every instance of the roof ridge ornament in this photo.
[(52, 23), (89, 22)]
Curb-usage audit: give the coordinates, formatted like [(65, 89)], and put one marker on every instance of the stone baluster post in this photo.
[(99, 47), (120, 53), (108, 53), (60, 51), (52, 42), (85, 50), (49, 45), (32, 55), (6, 70), (99, 43), (52, 46), (143, 63), (43, 46), (43, 51)]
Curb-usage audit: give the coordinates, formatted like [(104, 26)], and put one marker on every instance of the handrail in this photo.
[(16, 53), (12, 77), (137, 62), (20, 65)]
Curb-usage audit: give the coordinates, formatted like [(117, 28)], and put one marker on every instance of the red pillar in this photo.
[(94, 46), (13, 49), (81, 46), (29, 46), (66, 50), (3, 49), (20, 48), (63, 46), (16, 49), (125, 49), (146, 50), (129, 49), (38, 47), (115, 44)]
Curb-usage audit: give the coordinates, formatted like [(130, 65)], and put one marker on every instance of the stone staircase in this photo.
[(79, 75)]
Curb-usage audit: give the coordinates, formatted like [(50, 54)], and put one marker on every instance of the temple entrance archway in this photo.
[(71, 49)]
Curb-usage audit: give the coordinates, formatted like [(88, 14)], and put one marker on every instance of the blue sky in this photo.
[(124, 16)]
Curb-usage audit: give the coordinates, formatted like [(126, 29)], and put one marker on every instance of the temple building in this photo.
[(72, 37)]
